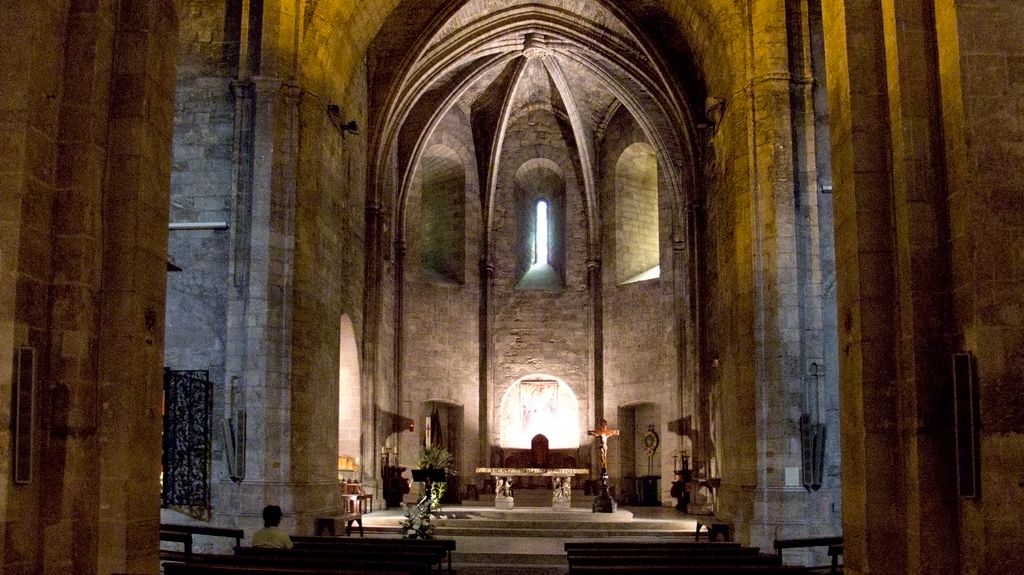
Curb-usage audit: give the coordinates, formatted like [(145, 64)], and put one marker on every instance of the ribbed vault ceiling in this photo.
[(504, 61)]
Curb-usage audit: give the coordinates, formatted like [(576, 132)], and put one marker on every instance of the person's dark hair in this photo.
[(272, 516)]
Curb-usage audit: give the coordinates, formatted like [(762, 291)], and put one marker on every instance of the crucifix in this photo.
[(603, 502), (603, 433)]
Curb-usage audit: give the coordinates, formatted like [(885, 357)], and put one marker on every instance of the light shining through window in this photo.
[(542, 233)]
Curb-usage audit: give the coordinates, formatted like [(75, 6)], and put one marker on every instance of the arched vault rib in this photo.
[(494, 155), (585, 148), (623, 65), (423, 135), (501, 31), (663, 147)]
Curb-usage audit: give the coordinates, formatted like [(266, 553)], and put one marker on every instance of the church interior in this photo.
[(252, 248)]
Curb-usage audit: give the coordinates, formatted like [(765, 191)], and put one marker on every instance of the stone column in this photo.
[(874, 518), (259, 341), (596, 297), (923, 283), (484, 339), (780, 504)]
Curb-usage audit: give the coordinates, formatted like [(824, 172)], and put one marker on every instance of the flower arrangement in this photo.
[(417, 523)]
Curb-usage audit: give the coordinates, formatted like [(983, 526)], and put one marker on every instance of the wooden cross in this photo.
[(603, 433)]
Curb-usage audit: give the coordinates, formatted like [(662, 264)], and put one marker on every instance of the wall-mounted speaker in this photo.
[(23, 416), (967, 424)]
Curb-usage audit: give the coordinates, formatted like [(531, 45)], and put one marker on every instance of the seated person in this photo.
[(271, 535)]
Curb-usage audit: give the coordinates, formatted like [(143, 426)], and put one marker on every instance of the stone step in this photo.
[(513, 569), (509, 569), (459, 557)]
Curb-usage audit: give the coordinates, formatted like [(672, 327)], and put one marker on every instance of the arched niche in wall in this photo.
[(349, 407), (539, 404), (540, 225), (636, 214), (443, 213)]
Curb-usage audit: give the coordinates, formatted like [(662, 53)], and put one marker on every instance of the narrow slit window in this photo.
[(542, 233)]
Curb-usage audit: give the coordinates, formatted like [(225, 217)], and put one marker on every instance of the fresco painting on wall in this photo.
[(538, 401)]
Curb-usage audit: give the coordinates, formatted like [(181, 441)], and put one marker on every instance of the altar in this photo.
[(561, 484)]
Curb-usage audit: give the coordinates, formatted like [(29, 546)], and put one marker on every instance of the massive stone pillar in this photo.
[(787, 303), (874, 522), (95, 107)]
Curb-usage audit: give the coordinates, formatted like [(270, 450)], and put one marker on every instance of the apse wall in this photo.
[(641, 343), (440, 324), (538, 330)]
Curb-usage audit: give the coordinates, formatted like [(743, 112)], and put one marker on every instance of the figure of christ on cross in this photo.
[(603, 433)]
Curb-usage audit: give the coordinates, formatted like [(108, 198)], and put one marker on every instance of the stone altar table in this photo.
[(561, 484)]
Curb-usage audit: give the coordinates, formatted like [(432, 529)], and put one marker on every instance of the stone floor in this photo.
[(530, 540)]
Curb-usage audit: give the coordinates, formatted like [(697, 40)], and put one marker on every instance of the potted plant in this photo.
[(436, 463)]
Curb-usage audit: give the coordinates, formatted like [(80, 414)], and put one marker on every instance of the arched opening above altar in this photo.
[(539, 426), (539, 404)]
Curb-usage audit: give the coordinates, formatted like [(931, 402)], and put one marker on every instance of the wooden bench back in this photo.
[(798, 542), (689, 570), (575, 545), (182, 568)]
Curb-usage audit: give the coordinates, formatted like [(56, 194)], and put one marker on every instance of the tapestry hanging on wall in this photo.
[(188, 421)]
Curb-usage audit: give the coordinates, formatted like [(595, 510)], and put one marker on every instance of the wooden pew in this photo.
[(668, 544), (177, 537), (675, 560), (594, 557), (442, 547), (691, 570), (207, 530), (185, 534), (413, 562), (834, 544), (835, 552), (329, 525), (194, 568)]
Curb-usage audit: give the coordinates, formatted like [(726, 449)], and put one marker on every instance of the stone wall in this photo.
[(440, 327), (202, 181), (547, 330)]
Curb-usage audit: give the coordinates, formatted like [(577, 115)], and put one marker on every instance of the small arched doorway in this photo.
[(442, 427), (639, 462)]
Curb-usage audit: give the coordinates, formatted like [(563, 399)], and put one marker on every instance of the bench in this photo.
[(442, 547), (672, 560), (193, 568), (833, 543), (330, 526), (619, 557), (835, 551), (184, 533), (413, 562), (582, 545), (692, 570)]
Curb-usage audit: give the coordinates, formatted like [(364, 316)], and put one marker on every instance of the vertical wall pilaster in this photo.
[(787, 305), (874, 522), (923, 284)]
